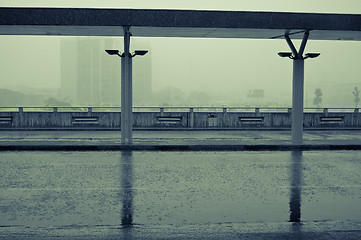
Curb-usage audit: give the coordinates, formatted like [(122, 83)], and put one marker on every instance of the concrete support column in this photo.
[(126, 92), (298, 84), (297, 101)]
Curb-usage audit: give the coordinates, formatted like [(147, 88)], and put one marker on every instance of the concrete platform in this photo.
[(179, 140)]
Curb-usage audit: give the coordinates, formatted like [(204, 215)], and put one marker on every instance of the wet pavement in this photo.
[(180, 195), (193, 140)]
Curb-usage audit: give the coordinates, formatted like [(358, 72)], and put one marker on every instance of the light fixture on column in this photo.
[(135, 53), (291, 56)]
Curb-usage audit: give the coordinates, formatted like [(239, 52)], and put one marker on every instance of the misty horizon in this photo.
[(224, 71)]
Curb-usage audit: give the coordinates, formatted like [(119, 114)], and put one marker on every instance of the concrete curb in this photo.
[(49, 147)]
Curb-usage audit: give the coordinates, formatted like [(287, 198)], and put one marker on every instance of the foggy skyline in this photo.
[(227, 68)]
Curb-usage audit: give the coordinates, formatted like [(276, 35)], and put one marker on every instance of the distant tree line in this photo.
[(171, 96), (318, 97), (356, 93), (10, 98)]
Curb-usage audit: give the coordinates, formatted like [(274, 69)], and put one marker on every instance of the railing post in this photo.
[(256, 110), (55, 109), (357, 110), (161, 112), (224, 118), (90, 109), (21, 109), (191, 117), (325, 111)]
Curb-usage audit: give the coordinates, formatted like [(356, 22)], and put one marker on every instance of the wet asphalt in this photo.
[(180, 195)]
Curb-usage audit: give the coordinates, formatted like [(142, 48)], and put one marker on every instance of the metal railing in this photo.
[(177, 109)]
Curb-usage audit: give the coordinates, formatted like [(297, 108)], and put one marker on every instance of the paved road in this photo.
[(180, 195)]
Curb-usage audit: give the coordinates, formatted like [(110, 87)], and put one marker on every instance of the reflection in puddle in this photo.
[(126, 186), (295, 187), (180, 188)]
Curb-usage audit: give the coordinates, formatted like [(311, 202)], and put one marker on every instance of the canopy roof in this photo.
[(177, 23)]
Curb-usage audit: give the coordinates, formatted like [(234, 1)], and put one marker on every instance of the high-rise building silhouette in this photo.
[(90, 77), (142, 74)]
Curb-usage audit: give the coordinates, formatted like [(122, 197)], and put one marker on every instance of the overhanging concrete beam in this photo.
[(177, 23)]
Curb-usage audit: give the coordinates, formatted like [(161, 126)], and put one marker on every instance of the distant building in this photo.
[(68, 67), (90, 77), (142, 74)]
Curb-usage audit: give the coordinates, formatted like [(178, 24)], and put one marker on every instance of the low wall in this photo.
[(174, 119)]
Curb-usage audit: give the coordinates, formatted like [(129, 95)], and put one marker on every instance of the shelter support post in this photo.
[(297, 101), (297, 89), (126, 92)]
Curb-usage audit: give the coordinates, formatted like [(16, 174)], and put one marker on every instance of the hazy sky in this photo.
[(227, 66)]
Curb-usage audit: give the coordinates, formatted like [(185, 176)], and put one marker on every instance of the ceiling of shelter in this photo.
[(178, 23)]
